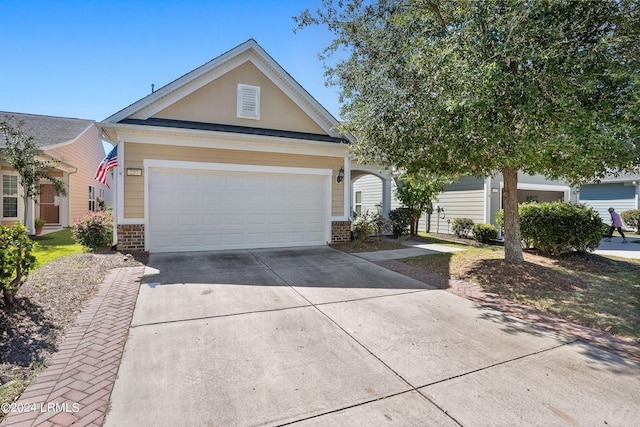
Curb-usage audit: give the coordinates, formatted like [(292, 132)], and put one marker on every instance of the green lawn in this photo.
[(56, 245)]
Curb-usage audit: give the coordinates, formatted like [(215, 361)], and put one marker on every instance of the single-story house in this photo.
[(74, 150), (234, 154), (476, 198), (619, 192)]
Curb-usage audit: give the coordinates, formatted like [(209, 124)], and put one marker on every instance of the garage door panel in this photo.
[(212, 201), (187, 220), (255, 200), (213, 209), (256, 218)]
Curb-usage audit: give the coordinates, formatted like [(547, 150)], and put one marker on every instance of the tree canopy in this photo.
[(484, 87)]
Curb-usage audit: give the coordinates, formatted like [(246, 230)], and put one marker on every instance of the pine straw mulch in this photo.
[(46, 305)]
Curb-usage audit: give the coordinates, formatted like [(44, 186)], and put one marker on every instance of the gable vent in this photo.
[(248, 102)]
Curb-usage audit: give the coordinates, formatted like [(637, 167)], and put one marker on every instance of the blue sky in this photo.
[(90, 59)]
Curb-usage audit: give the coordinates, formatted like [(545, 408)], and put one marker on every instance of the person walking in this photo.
[(616, 222)]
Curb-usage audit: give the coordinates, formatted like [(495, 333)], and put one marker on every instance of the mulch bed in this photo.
[(47, 304)]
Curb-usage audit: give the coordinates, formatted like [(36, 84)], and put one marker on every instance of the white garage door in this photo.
[(192, 210)]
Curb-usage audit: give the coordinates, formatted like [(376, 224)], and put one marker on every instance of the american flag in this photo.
[(111, 161)]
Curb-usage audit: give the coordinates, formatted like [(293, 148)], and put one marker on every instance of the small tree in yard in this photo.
[(16, 260), (416, 192), (21, 152), (485, 87)]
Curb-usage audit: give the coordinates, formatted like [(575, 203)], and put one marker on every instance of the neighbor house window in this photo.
[(358, 204), (248, 102), (92, 198), (9, 196)]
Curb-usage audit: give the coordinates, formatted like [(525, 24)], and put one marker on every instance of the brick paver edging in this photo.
[(76, 385), (624, 348)]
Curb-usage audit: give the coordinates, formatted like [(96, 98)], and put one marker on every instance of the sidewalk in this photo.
[(76, 385), (616, 248)]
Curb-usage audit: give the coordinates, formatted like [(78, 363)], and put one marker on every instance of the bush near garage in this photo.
[(559, 227), (632, 218), (94, 230), (400, 221), (462, 227), (484, 233)]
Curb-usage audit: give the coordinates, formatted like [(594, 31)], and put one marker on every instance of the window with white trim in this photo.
[(9, 196), (92, 198), (358, 204), (248, 102)]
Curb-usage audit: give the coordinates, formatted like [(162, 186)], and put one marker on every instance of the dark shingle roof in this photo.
[(47, 130), (182, 124)]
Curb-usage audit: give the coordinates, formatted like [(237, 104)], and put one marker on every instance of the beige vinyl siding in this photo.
[(135, 153), (216, 102), (85, 154)]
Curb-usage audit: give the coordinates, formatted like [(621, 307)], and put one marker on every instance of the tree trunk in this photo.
[(512, 238), (8, 298)]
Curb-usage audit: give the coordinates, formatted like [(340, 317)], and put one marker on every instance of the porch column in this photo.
[(30, 217), (386, 197)]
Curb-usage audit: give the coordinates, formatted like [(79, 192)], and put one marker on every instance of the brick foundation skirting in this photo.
[(131, 237), (340, 231)]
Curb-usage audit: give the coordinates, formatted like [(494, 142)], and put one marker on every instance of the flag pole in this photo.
[(115, 201)]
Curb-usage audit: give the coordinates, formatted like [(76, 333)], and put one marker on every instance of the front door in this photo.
[(49, 209)]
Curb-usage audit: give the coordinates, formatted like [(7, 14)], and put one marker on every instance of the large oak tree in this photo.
[(486, 87)]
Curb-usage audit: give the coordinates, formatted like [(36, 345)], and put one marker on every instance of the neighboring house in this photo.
[(475, 198), (621, 193), (74, 149), (234, 154)]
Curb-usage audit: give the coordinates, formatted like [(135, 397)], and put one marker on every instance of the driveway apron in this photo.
[(318, 337)]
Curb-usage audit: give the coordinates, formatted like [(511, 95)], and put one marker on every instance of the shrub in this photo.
[(631, 218), (362, 228), (462, 226), (94, 230), (400, 221), (16, 260), (557, 228), (484, 232), (379, 223)]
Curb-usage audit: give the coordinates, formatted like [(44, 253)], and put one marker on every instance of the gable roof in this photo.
[(47, 131), (251, 51)]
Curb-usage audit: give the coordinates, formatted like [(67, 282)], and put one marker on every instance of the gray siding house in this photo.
[(621, 193), (477, 198)]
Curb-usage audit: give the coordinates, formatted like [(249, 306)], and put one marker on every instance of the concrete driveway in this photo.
[(317, 337)]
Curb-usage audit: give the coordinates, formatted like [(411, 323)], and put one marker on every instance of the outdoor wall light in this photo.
[(340, 176)]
